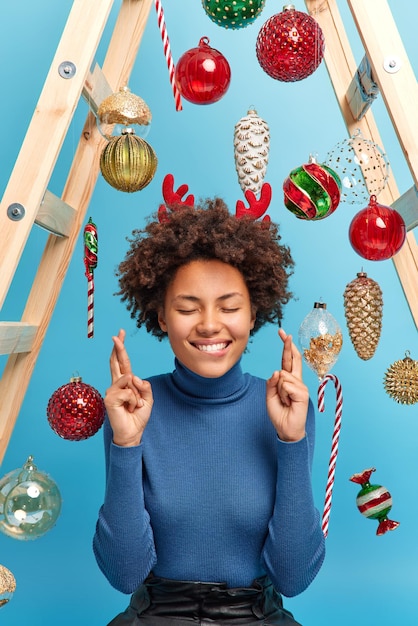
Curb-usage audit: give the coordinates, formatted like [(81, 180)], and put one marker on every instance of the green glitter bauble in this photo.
[(233, 13)]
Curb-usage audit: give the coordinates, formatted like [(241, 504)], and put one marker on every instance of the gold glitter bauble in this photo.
[(401, 380), (124, 107), (7, 585), (128, 162), (363, 304)]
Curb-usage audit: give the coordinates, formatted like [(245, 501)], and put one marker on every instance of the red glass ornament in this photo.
[(290, 45), (202, 74), (377, 232), (76, 410)]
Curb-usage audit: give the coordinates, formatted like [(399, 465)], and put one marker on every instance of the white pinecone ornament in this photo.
[(363, 305), (251, 151)]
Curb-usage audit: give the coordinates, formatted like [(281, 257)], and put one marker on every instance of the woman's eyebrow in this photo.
[(191, 298)]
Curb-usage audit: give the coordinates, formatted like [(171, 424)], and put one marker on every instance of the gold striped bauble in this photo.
[(128, 163), (401, 380)]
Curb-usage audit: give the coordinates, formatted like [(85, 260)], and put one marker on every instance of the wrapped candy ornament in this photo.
[(290, 45), (30, 502), (401, 380), (363, 307), (374, 501), (76, 410), (312, 191), (251, 151)]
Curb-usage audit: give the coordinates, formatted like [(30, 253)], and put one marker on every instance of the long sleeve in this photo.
[(211, 494), (294, 549), (123, 543)]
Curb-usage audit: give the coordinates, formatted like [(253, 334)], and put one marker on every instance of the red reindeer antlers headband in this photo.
[(173, 201)]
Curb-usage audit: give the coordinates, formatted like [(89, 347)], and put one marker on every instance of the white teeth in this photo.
[(211, 347)]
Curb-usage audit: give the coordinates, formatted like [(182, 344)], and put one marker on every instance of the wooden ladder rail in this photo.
[(380, 38), (22, 340)]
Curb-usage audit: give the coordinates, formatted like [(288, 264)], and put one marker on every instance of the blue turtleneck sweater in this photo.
[(211, 493)]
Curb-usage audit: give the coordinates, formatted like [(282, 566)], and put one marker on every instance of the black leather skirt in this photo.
[(163, 602)]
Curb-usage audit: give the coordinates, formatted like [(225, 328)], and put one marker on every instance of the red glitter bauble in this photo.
[(202, 74), (76, 410), (377, 232), (290, 45)]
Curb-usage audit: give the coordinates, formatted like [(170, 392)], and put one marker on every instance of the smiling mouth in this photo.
[(211, 347)]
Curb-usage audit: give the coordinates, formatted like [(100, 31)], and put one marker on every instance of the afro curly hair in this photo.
[(204, 232)]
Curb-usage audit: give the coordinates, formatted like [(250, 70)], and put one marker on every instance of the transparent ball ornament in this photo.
[(320, 339), (30, 502), (362, 166), (122, 112)]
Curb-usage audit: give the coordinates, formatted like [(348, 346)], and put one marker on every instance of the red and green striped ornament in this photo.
[(312, 191), (374, 501)]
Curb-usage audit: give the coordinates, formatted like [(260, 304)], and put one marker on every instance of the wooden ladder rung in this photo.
[(55, 215), (407, 206), (16, 337), (96, 88)]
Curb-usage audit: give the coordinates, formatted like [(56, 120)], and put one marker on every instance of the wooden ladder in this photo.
[(399, 90), (27, 200)]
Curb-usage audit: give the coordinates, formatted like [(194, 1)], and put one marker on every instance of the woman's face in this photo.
[(208, 316)]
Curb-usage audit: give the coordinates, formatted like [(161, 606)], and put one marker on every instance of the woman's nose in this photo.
[(209, 322)]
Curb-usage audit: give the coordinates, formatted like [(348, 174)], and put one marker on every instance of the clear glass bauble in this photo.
[(320, 339), (362, 166), (30, 502)]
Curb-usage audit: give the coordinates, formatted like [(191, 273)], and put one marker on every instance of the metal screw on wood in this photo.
[(67, 69), (16, 211)]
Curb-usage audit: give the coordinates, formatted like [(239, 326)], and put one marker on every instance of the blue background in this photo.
[(366, 579)]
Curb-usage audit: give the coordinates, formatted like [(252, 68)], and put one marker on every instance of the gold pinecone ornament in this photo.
[(363, 306), (401, 380), (251, 151)]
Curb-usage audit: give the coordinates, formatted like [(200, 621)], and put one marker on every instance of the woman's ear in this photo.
[(253, 315), (161, 321)]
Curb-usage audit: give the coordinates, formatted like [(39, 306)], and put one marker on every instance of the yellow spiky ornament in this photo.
[(363, 307), (251, 151), (401, 380)]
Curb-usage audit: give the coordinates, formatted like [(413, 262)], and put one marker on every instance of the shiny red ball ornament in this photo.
[(290, 45), (202, 74), (76, 410), (377, 232)]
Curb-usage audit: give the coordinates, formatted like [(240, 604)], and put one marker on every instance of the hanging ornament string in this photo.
[(90, 263), (334, 445), (167, 53)]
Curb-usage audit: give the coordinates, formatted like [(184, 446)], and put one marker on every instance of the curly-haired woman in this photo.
[(208, 515)]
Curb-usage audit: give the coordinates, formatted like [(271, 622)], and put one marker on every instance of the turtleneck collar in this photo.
[(226, 388)]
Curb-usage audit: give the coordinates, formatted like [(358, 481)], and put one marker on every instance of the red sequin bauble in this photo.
[(76, 410), (290, 45), (377, 232), (202, 74)]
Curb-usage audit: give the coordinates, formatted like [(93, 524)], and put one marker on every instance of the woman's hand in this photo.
[(287, 396), (129, 399)]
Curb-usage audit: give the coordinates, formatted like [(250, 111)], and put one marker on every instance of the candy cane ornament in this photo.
[(334, 445), (167, 53), (90, 262)]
